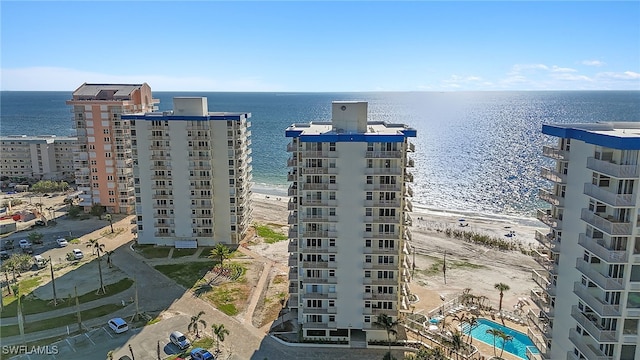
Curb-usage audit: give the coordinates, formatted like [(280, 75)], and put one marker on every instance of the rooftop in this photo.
[(615, 135)]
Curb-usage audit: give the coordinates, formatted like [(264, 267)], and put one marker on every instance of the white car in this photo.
[(118, 325), (62, 242), (77, 254), (24, 243)]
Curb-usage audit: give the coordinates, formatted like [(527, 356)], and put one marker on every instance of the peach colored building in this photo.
[(103, 158)]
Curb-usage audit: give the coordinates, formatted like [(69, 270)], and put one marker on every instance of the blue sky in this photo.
[(322, 46)]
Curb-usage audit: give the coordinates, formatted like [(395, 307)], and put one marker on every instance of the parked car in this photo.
[(27, 250), (178, 339), (7, 245), (39, 261), (77, 254), (40, 223), (118, 325), (201, 354), (24, 243), (62, 242), (4, 255)]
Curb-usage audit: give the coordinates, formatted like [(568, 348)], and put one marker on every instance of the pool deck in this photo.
[(486, 349)]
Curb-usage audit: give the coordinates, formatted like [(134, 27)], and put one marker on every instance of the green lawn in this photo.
[(70, 319), (35, 305), (186, 274), (153, 252), (206, 343), (183, 252), (269, 235), (206, 251)]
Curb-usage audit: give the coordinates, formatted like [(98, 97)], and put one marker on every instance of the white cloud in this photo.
[(59, 79), (558, 69), (593, 63), (519, 68), (627, 75)]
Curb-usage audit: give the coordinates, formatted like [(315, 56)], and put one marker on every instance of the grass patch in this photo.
[(436, 267), (13, 330), (204, 342), (177, 253), (32, 305), (108, 234), (186, 274), (153, 252), (74, 241), (206, 251), (153, 321), (279, 279), (228, 297), (269, 235)]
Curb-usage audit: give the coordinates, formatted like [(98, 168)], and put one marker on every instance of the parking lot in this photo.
[(144, 343)]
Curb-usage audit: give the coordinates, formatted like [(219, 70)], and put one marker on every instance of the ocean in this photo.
[(476, 152)]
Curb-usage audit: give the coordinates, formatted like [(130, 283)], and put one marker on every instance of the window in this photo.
[(368, 212), (367, 243), (369, 195), (367, 227), (367, 258)]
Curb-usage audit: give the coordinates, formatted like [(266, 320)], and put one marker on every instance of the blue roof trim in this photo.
[(589, 137), (333, 137), (351, 138), (151, 117)]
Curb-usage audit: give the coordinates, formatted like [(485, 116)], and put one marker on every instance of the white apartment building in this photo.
[(589, 281), (44, 157), (192, 175), (349, 223), (103, 163)]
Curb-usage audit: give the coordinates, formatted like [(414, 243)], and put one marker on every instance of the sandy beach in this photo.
[(469, 265)]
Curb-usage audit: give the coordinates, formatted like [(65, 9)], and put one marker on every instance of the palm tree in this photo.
[(219, 331), (97, 247), (473, 322), (195, 320), (220, 251), (456, 343), (68, 202), (388, 324), (502, 287), (109, 253), (504, 338), (496, 333)]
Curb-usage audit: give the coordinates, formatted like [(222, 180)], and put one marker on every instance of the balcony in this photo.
[(409, 191), (544, 239), (384, 171), (383, 154), (382, 187), (318, 154), (292, 205), (292, 191), (292, 147), (605, 282), (542, 257), (411, 163), (612, 169), (293, 246), (293, 219), (554, 176), (293, 261), (598, 247), (590, 351), (542, 301), (411, 147), (555, 153), (317, 264), (319, 186), (319, 170), (293, 232), (608, 225), (408, 177), (292, 176), (292, 162), (601, 308), (609, 197), (541, 277), (540, 331), (545, 217), (588, 322), (320, 233), (548, 196)]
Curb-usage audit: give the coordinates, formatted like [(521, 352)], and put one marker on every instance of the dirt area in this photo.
[(230, 295), (468, 265), (272, 299)]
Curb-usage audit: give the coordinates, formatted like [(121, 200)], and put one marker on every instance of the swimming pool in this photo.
[(517, 346)]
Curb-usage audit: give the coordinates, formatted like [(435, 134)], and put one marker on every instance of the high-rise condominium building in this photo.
[(589, 292), (192, 175), (103, 163), (348, 223), (45, 157)]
